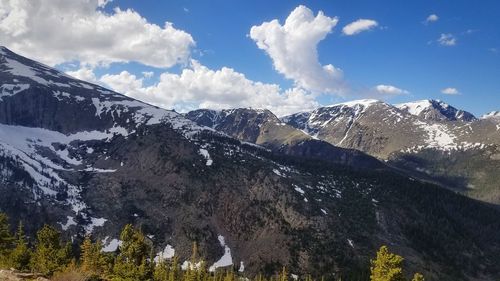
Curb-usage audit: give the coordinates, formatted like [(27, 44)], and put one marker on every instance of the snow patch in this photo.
[(366, 103), (349, 241), (438, 135), (242, 267), (187, 264), (226, 259), (94, 222), (111, 246), (491, 115), (167, 253), (416, 107), (299, 190), (12, 89), (16, 68), (203, 152), (69, 222)]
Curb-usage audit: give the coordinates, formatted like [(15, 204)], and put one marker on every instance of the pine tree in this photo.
[(49, 255), (20, 256), (6, 239), (284, 275), (145, 270), (201, 272), (229, 276), (386, 266), (161, 270), (132, 263), (86, 254), (92, 260), (174, 270), (194, 253), (418, 277)]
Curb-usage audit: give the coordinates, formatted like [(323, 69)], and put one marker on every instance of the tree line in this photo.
[(135, 260)]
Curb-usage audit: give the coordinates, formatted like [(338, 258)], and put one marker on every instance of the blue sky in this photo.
[(402, 50)]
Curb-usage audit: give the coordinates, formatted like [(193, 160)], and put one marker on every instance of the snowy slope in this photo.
[(436, 110), (56, 128)]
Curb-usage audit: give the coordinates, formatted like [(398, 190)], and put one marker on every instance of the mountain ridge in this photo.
[(406, 136)]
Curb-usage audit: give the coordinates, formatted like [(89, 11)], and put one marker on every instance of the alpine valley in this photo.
[(315, 191)]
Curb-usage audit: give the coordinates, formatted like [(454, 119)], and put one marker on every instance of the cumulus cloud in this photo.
[(85, 73), (292, 47), (389, 90), (450, 91), (57, 31), (359, 26), (200, 87), (447, 39), (148, 74), (431, 18)]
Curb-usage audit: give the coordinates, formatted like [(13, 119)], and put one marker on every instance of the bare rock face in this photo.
[(89, 161)]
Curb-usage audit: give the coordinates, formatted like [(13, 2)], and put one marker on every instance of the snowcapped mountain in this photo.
[(89, 160), (406, 134), (436, 110), (493, 115), (262, 127)]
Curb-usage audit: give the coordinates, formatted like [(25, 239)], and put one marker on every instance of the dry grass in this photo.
[(71, 275)]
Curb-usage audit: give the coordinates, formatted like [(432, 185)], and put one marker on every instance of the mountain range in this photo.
[(316, 191), (429, 139)]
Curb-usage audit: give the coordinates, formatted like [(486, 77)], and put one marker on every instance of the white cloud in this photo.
[(447, 39), (389, 90), (359, 26), (450, 91), (293, 49), (148, 74), (200, 87), (57, 31), (85, 73), (431, 18)]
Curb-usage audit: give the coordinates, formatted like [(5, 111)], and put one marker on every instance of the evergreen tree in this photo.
[(194, 253), (92, 259), (6, 240), (418, 277), (49, 255), (284, 275), (191, 273), (174, 270), (386, 266), (161, 270), (201, 272), (229, 276), (86, 253), (132, 263), (20, 256)]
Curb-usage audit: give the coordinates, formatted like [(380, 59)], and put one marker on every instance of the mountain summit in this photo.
[(436, 110)]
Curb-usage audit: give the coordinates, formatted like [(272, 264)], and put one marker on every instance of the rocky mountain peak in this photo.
[(361, 102), (491, 115), (436, 110), (35, 95)]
